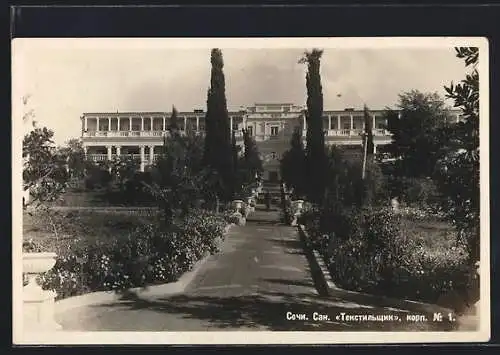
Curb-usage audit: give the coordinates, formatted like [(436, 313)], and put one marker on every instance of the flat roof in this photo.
[(192, 113)]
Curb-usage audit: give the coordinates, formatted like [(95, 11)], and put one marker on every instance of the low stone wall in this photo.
[(136, 211)]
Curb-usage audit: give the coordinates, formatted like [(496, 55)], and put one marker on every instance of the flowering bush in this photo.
[(381, 254), (30, 246), (148, 254), (287, 212), (234, 218)]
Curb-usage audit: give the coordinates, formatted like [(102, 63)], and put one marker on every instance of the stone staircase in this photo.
[(274, 190)]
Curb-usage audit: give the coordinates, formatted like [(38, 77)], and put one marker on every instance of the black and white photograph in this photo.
[(250, 191)]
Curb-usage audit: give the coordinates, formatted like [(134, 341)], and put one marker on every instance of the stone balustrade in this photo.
[(38, 304)]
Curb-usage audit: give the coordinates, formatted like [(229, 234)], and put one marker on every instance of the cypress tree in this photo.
[(253, 163), (218, 154), (315, 148), (368, 133), (173, 124), (292, 163)]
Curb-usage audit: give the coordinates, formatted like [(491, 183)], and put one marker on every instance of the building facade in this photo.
[(106, 135)]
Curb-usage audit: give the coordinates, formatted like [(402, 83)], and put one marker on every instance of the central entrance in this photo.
[(273, 176)]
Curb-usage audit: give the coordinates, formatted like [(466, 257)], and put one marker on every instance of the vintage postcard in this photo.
[(250, 191)]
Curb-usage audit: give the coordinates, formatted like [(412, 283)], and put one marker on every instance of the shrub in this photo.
[(287, 212), (367, 250), (149, 254), (234, 218), (97, 177)]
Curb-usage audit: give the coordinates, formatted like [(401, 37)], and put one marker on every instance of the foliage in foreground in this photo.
[(457, 174), (149, 254), (379, 252)]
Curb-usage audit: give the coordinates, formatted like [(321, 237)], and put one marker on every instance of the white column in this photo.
[(118, 124), (231, 124), (85, 124), (197, 123), (374, 149), (352, 122), (109, 123), (163, 123), (142, 157), (338, 122), (185, 124), (142, 123), (130, 123), (118, 151), (109, 151), (85, 151), (151, 152), (151, 127), (374, 124), (329, 122), (97, 122)]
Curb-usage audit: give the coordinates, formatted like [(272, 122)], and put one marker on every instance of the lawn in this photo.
[(433, 232), (79, 197), (79, 227)]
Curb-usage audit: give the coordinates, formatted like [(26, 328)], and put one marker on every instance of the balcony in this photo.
[(104, 157), (355, 132), (122, 134)]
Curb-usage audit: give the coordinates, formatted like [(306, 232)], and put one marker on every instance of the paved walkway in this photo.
[(260, 278)]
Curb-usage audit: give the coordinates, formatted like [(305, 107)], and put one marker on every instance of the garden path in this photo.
[(259, 277)]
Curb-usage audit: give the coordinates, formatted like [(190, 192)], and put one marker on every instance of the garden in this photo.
[(99, 251), (404, 227), (191, 190)]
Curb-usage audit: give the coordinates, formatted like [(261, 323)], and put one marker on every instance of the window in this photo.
[(274, 131), (333, 124)]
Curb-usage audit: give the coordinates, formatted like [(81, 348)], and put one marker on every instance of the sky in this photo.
[(66, 79)]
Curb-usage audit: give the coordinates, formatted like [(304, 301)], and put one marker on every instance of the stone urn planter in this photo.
[(238, 205), (395, 205), (250, 201), (297, 206), (38, 304)]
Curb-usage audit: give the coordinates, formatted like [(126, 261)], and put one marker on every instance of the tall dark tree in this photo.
[(292, 164), (368, 132), (218, 153), (238, 166), (315, 148), (253, 162), (178, 176), (173, 123), (418, 133), (75, 157)]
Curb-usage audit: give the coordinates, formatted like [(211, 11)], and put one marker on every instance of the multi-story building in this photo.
[(106, 135)]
